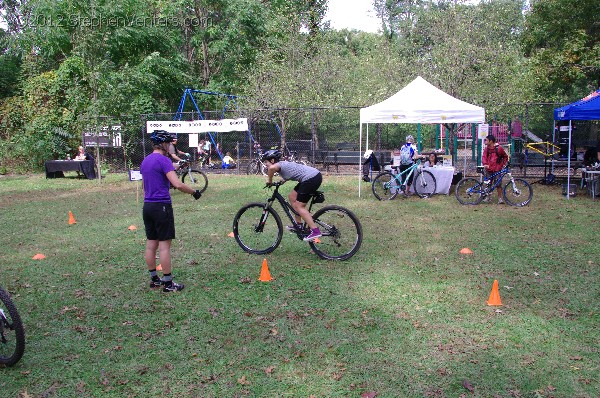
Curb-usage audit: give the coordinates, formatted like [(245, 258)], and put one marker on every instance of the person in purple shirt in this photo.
[(158, 174)]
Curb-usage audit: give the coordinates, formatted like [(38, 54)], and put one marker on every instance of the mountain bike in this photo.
[(12, 335), (471, 191), (258, 229), (257, 166), (387, 185), (194, 178)]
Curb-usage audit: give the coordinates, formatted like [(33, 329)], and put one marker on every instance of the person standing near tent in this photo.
[(494, 159), (158, 174), (407, 153)]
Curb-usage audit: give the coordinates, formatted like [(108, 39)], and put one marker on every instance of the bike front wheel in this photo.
[(341, 233), (195, 179), (468, 191), (385, 186), (518, 195), (12, 334), (425, 184), (257, 230)]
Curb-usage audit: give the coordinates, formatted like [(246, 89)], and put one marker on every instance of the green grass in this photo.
[(405, 317)]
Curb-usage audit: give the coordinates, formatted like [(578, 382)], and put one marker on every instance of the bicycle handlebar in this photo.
[(274, 184)]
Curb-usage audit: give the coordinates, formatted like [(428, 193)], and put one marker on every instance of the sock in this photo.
[(154, 275), (167, 279)]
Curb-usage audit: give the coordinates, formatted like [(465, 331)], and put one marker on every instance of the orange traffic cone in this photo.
[(38, 256), (159, 267), (494, 295), (231, 235), (71, 219), (132, 227), (265, 275), (466, 250)]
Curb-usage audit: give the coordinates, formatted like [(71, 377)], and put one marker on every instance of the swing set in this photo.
[(229, 100)]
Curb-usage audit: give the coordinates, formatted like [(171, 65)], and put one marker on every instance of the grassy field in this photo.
[(405, 317)]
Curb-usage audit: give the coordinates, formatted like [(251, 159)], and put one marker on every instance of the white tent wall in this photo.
[(418, 102)]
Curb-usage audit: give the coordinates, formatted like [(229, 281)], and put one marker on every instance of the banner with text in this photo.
[(198, 126)]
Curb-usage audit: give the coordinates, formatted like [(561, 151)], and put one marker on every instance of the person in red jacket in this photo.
[(494, 159)]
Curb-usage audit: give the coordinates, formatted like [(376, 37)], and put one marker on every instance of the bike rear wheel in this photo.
[(385, 186), (12, 335), (342, 233), (520, 194), (195, 179), (469, 191), (252, 168), (424, 184), (257, 230)]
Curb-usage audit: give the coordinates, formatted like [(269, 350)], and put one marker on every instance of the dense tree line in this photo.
[(65, 61)]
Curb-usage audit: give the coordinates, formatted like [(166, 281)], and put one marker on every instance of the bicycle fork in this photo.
[(263, 217), (516, 190)]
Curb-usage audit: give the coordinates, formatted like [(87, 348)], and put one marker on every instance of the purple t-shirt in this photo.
[(154, 171)]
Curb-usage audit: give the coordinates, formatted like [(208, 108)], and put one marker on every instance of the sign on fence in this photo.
[(483, 130), (106, 137), (198, 126)]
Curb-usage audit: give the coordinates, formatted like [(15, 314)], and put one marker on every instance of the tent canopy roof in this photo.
[(421, 102), (587, 108)]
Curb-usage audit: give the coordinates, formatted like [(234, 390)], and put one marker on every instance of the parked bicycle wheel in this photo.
[(424, 184), (518, 195), (385, 186), (468, 191), (195, 179), (256, 167), (342, 233), (256, 230), (12, 335)]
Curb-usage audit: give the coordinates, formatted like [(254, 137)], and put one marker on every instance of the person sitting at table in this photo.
[(432, 160), (82, 154), (590, 157)]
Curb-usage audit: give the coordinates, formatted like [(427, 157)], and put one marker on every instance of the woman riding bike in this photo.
[(309, 180)]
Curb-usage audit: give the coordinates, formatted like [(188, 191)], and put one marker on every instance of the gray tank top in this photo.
[(296, 171)]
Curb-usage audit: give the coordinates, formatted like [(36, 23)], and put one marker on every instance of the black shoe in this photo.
[(172, 287), (154, 283)]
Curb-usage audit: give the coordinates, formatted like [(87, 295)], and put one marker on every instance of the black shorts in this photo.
[(306, 188), (159, 221)]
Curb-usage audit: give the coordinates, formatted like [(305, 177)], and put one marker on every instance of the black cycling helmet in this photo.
[(160, 136), (271, 154)]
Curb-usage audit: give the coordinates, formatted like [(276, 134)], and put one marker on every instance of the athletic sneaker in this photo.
[(172, 287), (154, 283), (314, 234), (500, 201)]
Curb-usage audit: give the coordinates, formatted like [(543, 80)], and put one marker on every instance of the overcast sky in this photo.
[(352, 14)]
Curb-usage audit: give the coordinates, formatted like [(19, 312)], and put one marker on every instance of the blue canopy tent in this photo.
[(587, 108)]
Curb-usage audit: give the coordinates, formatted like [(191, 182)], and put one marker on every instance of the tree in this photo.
[(562, 41)]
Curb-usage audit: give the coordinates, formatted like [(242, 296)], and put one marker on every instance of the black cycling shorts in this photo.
[(307, 188), (159, 221)]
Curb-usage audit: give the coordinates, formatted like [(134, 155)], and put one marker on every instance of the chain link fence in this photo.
[(312, 133)]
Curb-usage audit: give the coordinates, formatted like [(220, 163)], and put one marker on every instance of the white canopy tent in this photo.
[(419, 102)]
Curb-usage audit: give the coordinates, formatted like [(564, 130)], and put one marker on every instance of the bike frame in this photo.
[(490, 188), (405, 175), (287, 207)]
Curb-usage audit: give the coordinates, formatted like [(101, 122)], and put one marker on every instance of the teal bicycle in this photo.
[(471, 191), (387, 185)]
